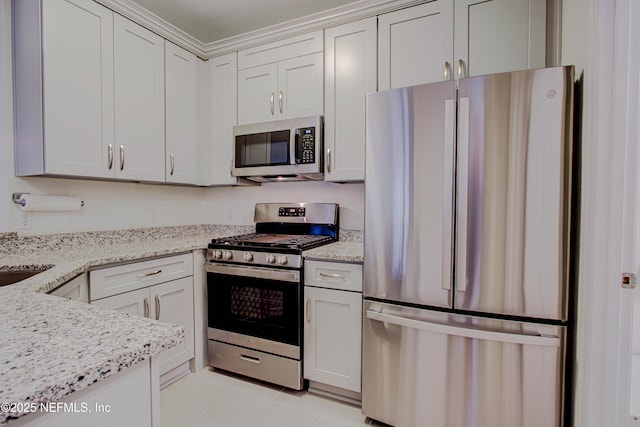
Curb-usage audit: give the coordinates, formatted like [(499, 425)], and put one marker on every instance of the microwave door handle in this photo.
[(293, 147)]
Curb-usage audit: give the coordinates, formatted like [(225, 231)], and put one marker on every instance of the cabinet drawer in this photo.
[(124, 278), (333, 275)]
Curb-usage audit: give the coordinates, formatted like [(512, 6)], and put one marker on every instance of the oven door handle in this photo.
[(257, 272)]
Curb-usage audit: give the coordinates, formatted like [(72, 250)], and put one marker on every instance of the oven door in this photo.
[(256, 302)]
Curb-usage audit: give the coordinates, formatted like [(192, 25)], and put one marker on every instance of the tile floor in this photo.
[(214, 399)]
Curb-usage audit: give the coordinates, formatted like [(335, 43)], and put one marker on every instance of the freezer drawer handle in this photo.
[(464, 332), (251, 359)]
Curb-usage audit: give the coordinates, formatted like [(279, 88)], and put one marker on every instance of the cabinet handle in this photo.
[(333, 276), (447, 70), (157, 307), (272, 104), (110, 155), (122, 157), (328, 160), (308, 311), (280, 101), (151, 273), (173, 164), (461, 69), (146, 307)]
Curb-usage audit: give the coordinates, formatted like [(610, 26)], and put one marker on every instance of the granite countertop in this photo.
[(344, 251), (54, 346)]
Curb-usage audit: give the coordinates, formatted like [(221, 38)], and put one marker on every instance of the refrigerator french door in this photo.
[(467, 223)]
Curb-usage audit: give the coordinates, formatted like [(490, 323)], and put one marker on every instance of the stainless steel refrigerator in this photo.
[(467, 245)]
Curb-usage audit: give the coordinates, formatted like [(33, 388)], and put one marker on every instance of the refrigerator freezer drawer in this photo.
[(430, 368)]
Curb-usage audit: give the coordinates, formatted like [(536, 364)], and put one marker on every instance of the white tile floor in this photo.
[(214, 399)]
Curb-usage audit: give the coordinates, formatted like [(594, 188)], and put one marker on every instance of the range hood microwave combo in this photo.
[(281, 150)]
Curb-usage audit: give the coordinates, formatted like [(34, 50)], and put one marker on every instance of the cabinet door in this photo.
[(415, 45), (180, 115), (223, 82), (139, 102), (257, 94), (300, 87), (172, 302), (332, 337), (350, 73), (135, 302), (78, 84), (499, 35)]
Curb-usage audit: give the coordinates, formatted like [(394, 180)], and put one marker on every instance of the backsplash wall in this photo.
[(235, 205)]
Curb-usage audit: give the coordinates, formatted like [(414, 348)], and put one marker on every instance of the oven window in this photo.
[(257, 305), (262, 308), (262, 149)]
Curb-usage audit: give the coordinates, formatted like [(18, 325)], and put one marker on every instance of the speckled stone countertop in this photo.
[(53, 346), (350, 248)]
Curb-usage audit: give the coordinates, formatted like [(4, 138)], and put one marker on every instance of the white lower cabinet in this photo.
[(146, 294), (130, 397), (333, 326), (75, 289)]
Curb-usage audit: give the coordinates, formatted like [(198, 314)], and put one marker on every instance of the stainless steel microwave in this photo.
[(282, 150)]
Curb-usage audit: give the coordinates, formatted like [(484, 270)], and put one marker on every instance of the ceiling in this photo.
[(213, 20)]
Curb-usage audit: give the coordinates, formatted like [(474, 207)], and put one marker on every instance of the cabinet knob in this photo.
[(173, 164), (280, 98), (328, 160)]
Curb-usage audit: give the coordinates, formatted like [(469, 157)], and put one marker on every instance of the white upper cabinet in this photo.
[(180, 115), (498, 36), (300, 86), (281, 80), (69, 108), (223, 75), (415, 44), (257, 94), (89, 93), (139, 102), (350, 73), (447, 39)]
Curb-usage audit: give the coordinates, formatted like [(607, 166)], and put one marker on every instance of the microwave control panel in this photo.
[(306, 145)]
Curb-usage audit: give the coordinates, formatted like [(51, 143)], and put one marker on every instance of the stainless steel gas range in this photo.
[(255, 291)]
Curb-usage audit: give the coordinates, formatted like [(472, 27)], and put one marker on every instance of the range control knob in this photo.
[(248, 256), (283, 260), (217, 254), (228, 255), (270, 258)]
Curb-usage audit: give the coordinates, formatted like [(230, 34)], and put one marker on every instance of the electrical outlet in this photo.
[(24, 220)]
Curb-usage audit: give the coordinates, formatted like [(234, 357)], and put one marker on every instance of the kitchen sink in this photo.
[(11, 277)]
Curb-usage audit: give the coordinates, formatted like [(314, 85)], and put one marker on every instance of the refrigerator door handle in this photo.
[(447, 193), (463, 182), (463, 331)]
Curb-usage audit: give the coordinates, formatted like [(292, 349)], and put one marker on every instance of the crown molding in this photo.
[(154, 23), (318, 21), (348, 13)]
